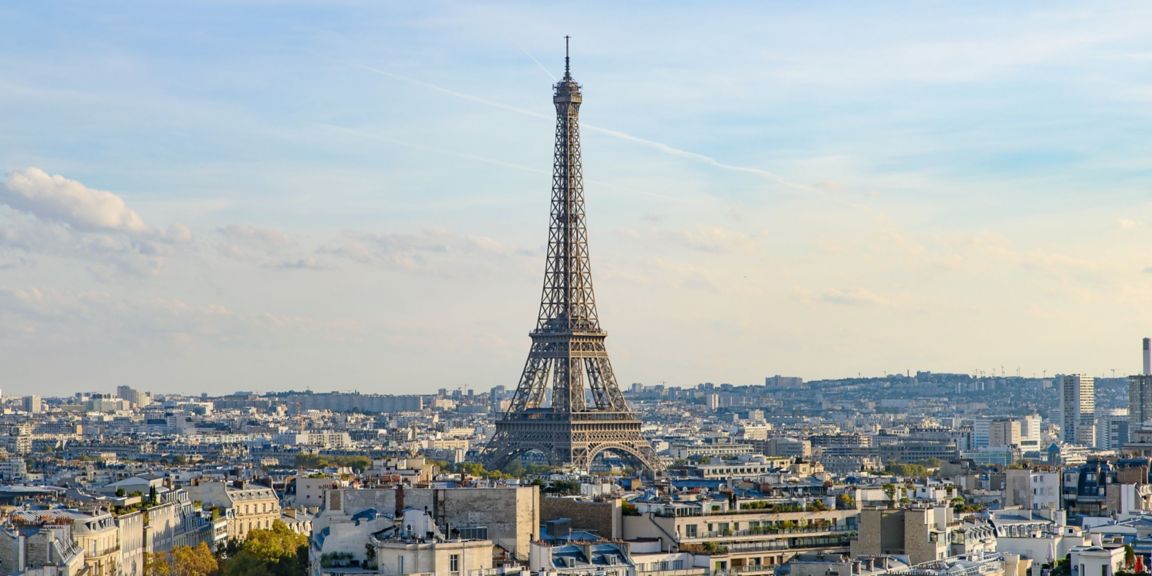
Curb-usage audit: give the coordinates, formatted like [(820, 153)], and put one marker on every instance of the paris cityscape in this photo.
[(873, 278)]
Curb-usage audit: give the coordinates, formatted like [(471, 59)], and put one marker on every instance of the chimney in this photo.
[(1147, 356)]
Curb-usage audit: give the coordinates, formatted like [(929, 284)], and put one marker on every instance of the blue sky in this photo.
[(353, 195)]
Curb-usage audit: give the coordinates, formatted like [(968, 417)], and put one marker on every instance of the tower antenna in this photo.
[(567, 72)]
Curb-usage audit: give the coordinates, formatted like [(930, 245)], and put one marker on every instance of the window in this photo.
[(454, 563), (690, 531)]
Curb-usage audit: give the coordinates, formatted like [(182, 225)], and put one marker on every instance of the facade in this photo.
[(1032, 489), (326, 439), (1112, 429), (1078, 406), (1097, 560), (245, 507), (437, 556), (99, 538), (747, 537), (32, 404), (1140, 392), (1139, 400), (924, 534), (1032, 535), (33, 546), (340, 540), (1003, 432), (508, 516), (310, 489)]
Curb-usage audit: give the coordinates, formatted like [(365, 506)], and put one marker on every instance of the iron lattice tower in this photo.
[(568, 405)]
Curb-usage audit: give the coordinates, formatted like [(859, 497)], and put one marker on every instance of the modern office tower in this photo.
[(1004, 432), (1140, 392), (981, 433), (568, 405), (140, 399), (33, 404), (1112, 429), (1078, 406), (1030, 433)]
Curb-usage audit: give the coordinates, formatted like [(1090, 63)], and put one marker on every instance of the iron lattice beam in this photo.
[(568, 404)]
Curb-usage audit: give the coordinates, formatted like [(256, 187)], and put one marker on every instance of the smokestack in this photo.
[(1147, 356)]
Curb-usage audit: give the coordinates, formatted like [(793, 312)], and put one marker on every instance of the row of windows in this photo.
[(256, 508)]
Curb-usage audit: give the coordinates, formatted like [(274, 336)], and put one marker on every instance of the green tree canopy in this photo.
[(183, 561), (274, 552)]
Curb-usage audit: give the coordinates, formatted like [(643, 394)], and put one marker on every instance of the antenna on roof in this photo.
[(567, 72)]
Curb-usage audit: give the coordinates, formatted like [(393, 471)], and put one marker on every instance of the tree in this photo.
[(845, 502), (276, 544), (156, 564), (274, 552), (563, 487), (198, 561), (182, 561), (246, 565)]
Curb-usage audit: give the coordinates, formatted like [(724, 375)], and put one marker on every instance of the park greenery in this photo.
[(356, 463)]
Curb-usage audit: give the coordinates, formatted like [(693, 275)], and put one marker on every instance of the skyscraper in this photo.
[(1078, 405), (1140, 392)]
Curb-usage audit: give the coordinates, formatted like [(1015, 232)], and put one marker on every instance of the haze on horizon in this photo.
[(264, 195)]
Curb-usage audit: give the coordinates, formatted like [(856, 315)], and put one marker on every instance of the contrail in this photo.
[(607, 187), (460, 95), (674, 151), (539, 65), (372, 136), (662, 147)]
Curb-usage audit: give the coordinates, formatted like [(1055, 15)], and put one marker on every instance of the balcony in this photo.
[(769, 533), (685, 511), (798, 541)]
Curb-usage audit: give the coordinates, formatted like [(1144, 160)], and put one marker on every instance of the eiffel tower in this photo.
[(567, 404)]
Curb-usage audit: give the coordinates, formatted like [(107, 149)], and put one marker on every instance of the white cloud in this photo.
[(434, 249), (62, 316), (54, 198), (266, 247), (53, 215)]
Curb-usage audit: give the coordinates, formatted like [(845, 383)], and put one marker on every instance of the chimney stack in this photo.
[(1147, 356)]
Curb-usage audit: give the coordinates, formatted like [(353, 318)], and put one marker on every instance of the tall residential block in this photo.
[(1078, 406), (1140, 392)]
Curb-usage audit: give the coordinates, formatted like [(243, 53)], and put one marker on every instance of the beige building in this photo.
[(447, 557), (1078, 407), (742, 539), (923, 534), (246, 507), (1032, 489), (412, 471), (132, 528), (1004, 432), (99, 538), (363, 540), (310, 489), (507, 515), (40, 546)]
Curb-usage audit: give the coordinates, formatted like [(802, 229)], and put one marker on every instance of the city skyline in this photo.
[(264, 196)]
